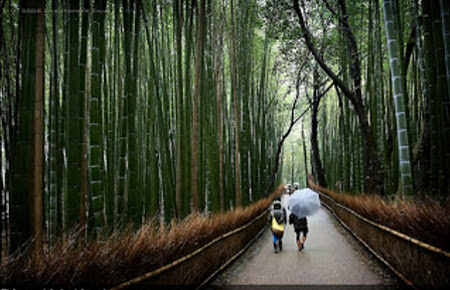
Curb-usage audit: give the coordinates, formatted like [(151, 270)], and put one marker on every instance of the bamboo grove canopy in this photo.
[(140, 110), (377, 77), (117, 112)]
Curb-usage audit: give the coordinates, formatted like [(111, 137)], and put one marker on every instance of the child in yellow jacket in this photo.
[(278, 219)]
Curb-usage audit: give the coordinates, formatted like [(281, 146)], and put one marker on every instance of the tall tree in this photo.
[(235, 109), (74, 124), (83, 96), (131, 18), (373, 178), (22, 182), (292, 121), (431, 66), (96, 167), (38, 151), (424, 144), (198, 69), (315, 103), (445, 19), (399, 102), (55, 195), (219, 86), (178, 22), (305, 159)]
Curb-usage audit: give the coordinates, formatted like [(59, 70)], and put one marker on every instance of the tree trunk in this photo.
[(445, 15), (38, 164), (54, 194), (178, 19), (431, 86), (305, 157), (198, 69), (74, 125), (96, 170), (402, 128), (424, 147), (235, 110), (373, 179), (219, 86), (83, 96), (318, 169), (21, 201)]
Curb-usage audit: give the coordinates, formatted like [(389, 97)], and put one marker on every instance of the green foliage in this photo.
[(421, 68), (119, 93), (119, 111)]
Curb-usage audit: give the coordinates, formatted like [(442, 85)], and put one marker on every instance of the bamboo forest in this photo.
[(127, 120)]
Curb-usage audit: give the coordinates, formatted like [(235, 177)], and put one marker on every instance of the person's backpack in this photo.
[(298, 223), (278, 212)]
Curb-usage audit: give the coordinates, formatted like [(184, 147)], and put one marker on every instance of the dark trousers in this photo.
[(301, 230)]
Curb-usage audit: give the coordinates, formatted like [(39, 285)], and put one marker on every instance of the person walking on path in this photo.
[(278, 219), (289, 189), (300, 226)]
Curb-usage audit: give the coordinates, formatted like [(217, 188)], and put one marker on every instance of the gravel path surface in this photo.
[(331, 257)]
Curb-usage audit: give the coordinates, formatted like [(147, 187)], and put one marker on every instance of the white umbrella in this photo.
[(304, 202)]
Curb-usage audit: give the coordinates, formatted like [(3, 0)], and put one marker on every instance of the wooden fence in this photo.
[(199, 267), (416, 263)]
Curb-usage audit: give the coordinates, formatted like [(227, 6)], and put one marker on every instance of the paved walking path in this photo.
[(331, 257)]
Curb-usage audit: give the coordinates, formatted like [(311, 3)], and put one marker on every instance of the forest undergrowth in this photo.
[(123, 255), (425, 219)]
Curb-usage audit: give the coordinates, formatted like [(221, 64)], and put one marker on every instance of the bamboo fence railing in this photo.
[(200, 266), (418, 264)]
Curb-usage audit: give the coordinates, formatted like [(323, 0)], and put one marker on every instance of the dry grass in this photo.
[(124, 255), (426, 220)]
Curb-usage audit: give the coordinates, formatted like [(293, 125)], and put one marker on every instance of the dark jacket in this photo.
[(279, 221), (281, 218), (299, 224)]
